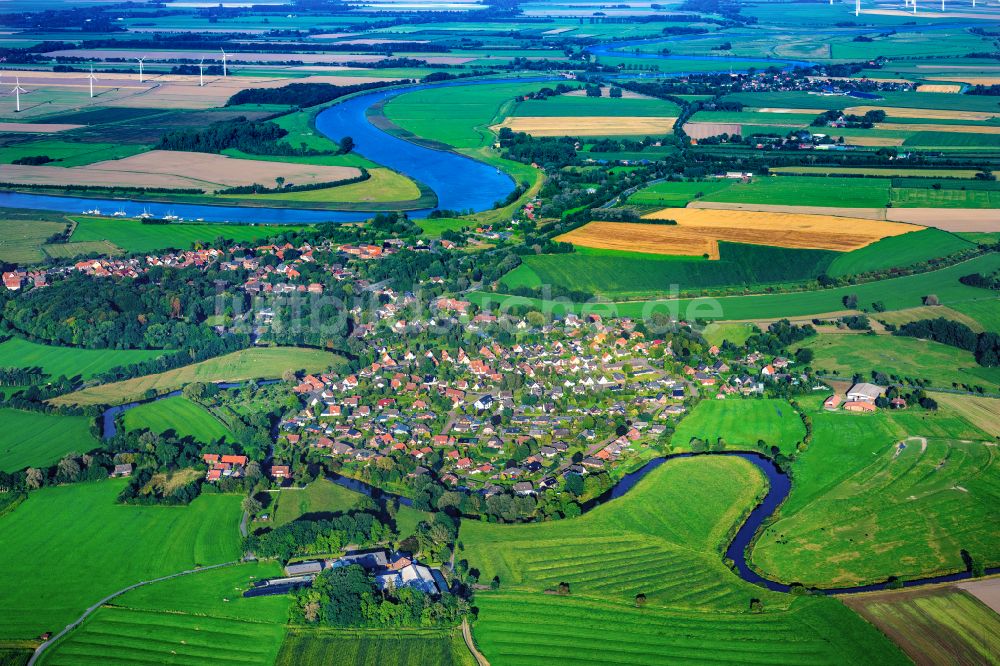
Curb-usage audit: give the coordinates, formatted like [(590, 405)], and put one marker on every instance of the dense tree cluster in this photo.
[(779, 336), (302, 94), (309, 537), (985, 346), (348, 597), (260, 138)]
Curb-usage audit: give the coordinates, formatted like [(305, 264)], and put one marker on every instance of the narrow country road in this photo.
[(76, 623), (467, 635)]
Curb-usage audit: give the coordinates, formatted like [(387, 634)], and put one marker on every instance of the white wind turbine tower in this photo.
[(140, 68), (225, 71), (857, 7), (92, 79), (201, 73), (17, 94)]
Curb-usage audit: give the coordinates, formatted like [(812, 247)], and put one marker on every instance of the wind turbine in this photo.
[(857, 7), (140, 68), (92, 79), (201, 73), (17, 94), (225, 71)]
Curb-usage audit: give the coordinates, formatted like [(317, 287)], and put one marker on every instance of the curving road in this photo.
[(76, 623)]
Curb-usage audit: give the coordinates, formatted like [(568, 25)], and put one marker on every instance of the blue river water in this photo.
[(459, 182), (779, 486)]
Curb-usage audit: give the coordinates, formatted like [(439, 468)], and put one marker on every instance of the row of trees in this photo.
[(985, 346)]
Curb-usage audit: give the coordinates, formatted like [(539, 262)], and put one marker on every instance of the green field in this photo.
[(900, 317), (941, 364), (935, 625), (323, 497), (33, 439), (632, 274), (134, 236), (676, 194), (23, 233), (75, 545), (903, 250), (807, 191), (985, 311), (960, 140), (186, 620), (405, 647), (886, 172), (254, 363), (861, 509), (320, 496), (905, 100), (895, 293), (70, 153), (76, 249), (181, 417), (909, 197), (741, 423), (717, 333), (434, 228), (72, 362), (384, 185), (458, 116), (573, 106), (662, 539)]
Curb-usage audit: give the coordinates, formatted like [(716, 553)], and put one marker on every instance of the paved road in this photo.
[(76, 623)]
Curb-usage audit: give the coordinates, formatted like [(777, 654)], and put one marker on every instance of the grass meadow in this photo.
[(260, 362), (900, 317), (940, 364), (807, 191), (741, 423), (895, 293), (33, 439), (676, 194), (405, 647), (984, 413), (458, 116), (904, 250), (73, 362), (862, 509), (134, 236), (23, 233), (76, 545), (180, 416), (662, 539), (188, 620), (717, 333), (934, 626), (574, 106), (320, 496)]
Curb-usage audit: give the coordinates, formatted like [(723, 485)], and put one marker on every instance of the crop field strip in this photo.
[(589, 125), (407, 647), (517, 628), (698, 232), (179, 415), (69, 361), (935, 625)]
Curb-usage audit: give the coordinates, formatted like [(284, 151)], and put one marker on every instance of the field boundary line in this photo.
[(87, 613), (470, 643)]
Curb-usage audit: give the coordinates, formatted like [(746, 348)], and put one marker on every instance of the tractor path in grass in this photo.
[(77, 622), (471, 644)]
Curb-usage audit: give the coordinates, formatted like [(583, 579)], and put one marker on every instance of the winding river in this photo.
[(460, 182), (779, 485)]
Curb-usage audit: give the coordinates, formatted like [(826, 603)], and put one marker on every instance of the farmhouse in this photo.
[(859, 406), (832, 402), (865, 392)]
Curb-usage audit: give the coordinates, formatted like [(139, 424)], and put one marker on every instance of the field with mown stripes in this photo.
[(663, 539), (417, 647), (741, 423), (193, 619), (123, 636), (518, 628)]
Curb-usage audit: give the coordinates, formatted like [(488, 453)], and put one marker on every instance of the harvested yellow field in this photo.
[(776, 110), (931, 127), (705, 130), (626, 94), (935, 114), (698, 232), (589, 125), (938, 88), (875, 141), (971, 80), (36, 128), (177, 170)]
